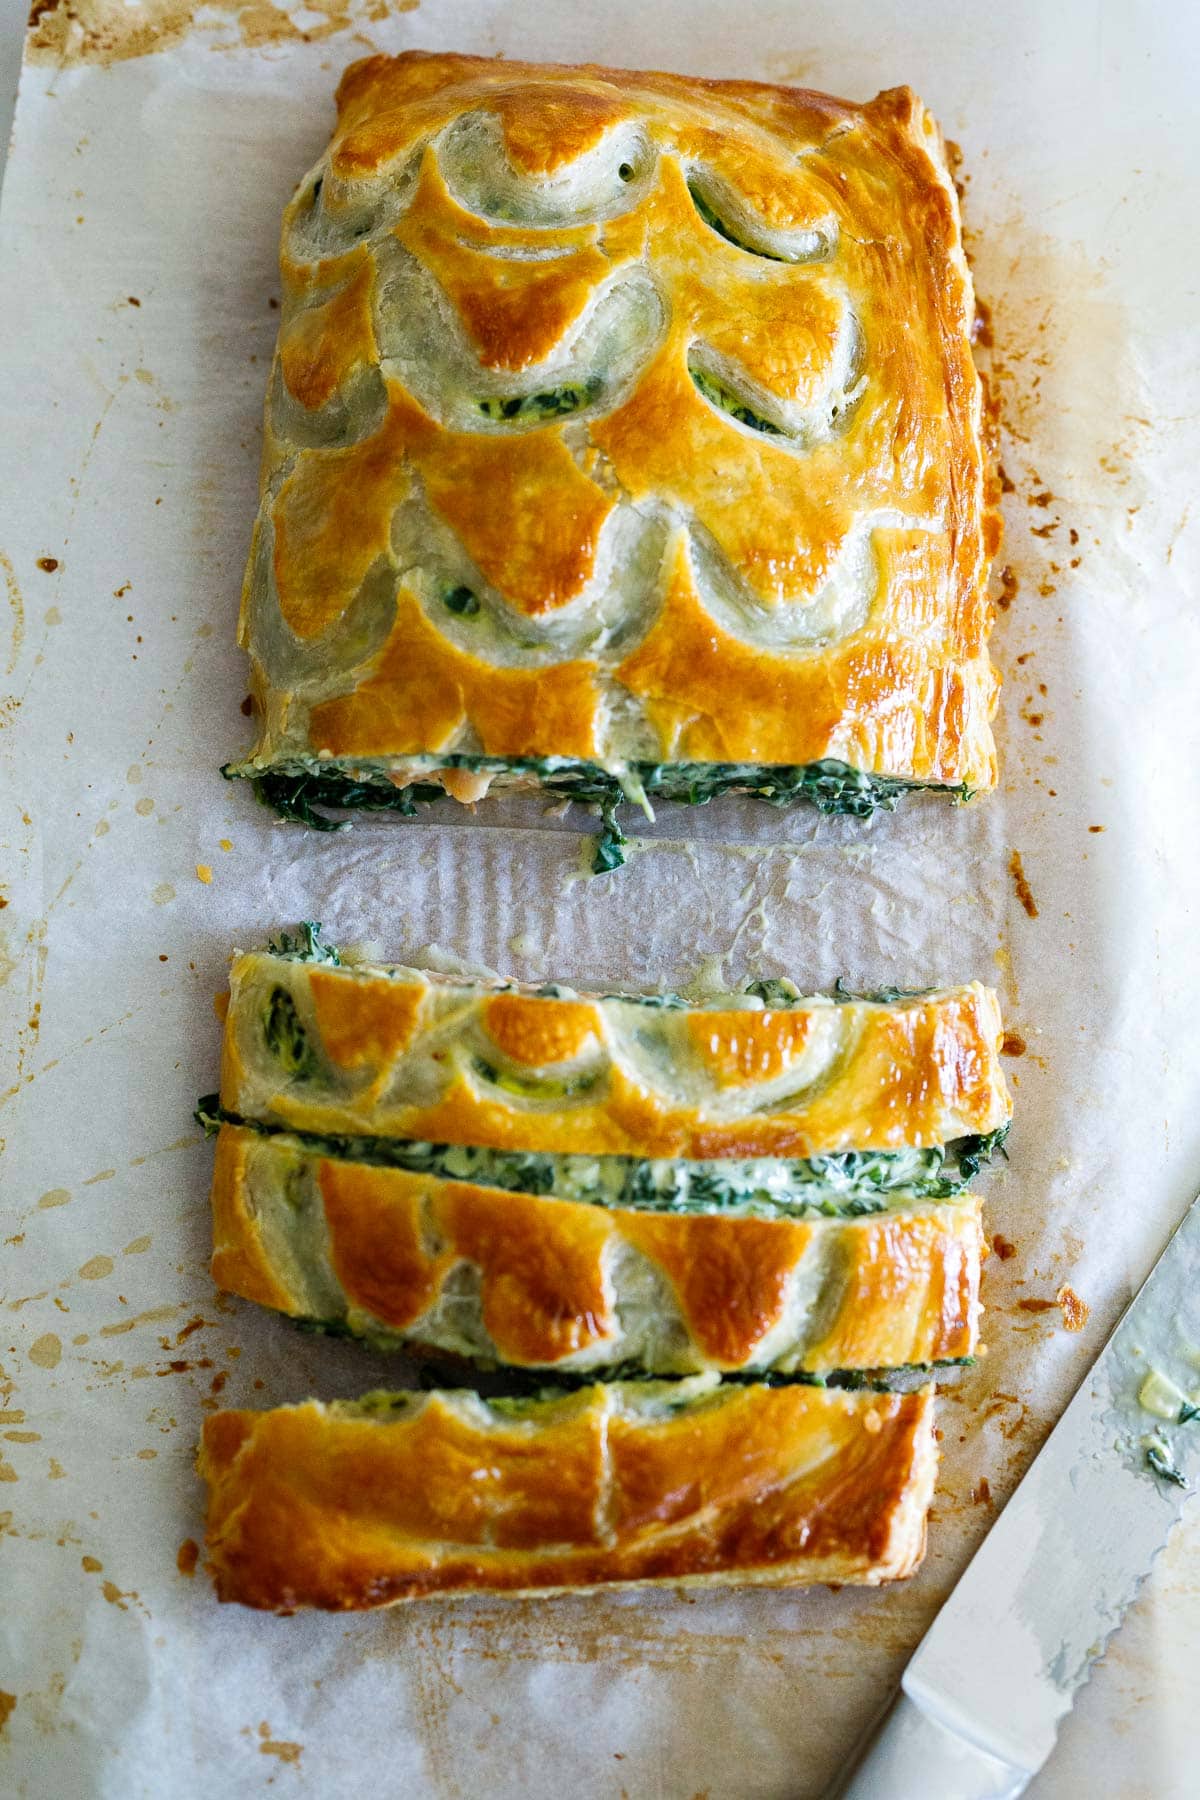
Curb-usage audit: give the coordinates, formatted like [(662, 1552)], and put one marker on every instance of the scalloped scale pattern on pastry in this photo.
[(621, 420), (536, 1281), (460, 1064), (759, 1189)]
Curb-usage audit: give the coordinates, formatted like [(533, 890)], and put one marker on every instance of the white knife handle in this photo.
[(912, 1757)]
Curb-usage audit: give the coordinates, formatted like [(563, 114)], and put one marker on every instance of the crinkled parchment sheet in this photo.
[(154, 148)]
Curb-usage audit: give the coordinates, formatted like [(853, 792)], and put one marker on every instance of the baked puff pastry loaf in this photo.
[(623, 437), (403, 1496)]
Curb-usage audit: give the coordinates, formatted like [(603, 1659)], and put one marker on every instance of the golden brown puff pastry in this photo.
[(398, 1053), (401, 1496), (535, 1281), (623, 435)]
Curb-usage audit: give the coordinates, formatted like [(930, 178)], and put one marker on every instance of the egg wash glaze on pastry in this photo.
[(601, 1191), (410, 1495), (762, 1196), (623, 439), (390, 1053)]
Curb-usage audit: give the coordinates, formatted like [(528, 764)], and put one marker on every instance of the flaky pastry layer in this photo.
[(397, 1498)]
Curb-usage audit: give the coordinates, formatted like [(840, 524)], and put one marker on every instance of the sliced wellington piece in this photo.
[(394, 1052), (540, 1282), (400, 1496)]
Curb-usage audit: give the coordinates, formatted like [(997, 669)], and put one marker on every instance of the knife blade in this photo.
[(983, 1697)]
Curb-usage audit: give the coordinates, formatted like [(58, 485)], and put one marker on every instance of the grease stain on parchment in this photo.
[(16, 607), (286, 1751), (46, 1351), (122, 1598), (66, 33)]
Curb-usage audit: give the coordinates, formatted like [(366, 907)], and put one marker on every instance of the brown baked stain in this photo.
[(1021, 887), (16, 608), (68, 33), (516, 1631), (280, 1747), (1009, 588), (1002, 1248), (1072, 452), (786, 67), (1013, 1044), (983, 332), (981, 1493), (187, 1556), (1075, 1312), (91, 1565), (46, 1351), (152, 1316), (7, 1703)]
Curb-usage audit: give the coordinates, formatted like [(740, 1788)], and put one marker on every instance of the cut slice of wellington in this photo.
[(409, 1495)]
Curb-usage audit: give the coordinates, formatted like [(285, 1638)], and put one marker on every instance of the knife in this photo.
[(997, 1671)]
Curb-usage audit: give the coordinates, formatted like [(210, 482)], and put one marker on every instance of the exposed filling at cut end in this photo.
[(848, 1184), (309, 791)]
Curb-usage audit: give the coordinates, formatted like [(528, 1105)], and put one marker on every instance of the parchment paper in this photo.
[(154, 148)]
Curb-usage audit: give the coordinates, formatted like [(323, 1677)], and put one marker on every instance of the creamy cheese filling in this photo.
[(847, 1185)]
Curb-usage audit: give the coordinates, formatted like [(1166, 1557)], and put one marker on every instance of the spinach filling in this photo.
[(305, 945), (532, 1087), (530, 1384), (461, 600), (554, 403), (302, 791), (523, 1389), (286, 1037), (718, 394), (849, 1184), (716, 223), (1159, 1459)]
